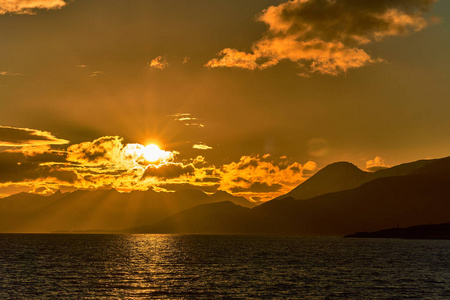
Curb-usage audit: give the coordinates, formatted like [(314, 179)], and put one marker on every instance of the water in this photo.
[(206, 267)]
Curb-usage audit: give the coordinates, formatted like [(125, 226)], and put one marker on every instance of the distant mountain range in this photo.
[(408, 194), (339, 199), (101, 210)]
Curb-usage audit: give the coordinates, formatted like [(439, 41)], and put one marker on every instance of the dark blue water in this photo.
[(208, 267)]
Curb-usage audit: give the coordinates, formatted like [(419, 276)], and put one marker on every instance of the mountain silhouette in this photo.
[(342, 176), (347, 200), (221, 217), (335, 177), (100, 209), (420, 198)]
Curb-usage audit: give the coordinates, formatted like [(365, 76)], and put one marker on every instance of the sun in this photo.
[(152, 153)]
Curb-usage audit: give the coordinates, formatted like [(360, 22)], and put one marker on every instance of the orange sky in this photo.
[(250, 97)]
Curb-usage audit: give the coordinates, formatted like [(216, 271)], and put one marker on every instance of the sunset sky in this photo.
[(250, 97)]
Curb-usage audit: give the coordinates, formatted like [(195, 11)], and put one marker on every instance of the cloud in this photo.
[(111, 152), (186, 59), (31, 150), (14, 136), (257, 187), (170, 170), (201, 147), (158, 63), (15, 167), (4, 73), (325, 36), (208, 179), (180, 116), (28, 7), (96, 73), (199, 125), (108, 162), (187, 119), (376, 164), (101, 151), (263, 176)]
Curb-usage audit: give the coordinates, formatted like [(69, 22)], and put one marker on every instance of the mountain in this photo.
[(342, 176), (98, 210), (420, 198), (350, 200), (438, 167), (381, 203), (336, 177), (221, 217), (430, 231)]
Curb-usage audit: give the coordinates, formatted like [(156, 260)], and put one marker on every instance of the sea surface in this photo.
[(70, 266)]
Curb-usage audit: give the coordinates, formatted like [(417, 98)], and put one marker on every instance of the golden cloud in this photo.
[(111, 152), (201, 147), (376, 164), (325, 36), (108, 162), (262, 177), (4, 73), (158, 63), (96, 73), (186, 59), (187, 119), (28, 7)]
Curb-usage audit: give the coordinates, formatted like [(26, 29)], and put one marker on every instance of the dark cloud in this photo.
[(52, 156), (240, 179), (170, 170), (252, 162), (376, 168), (258, 187), (14, 167), (351, 22), (12, 136), (295, 169), (207, 179)]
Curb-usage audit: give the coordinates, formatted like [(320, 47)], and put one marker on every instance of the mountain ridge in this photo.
[(409, 194), (409, 200), (107, 210), (340, 176)]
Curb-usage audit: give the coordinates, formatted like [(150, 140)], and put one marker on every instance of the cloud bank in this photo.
[(108, 162), (263, 177), (325, 36)]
